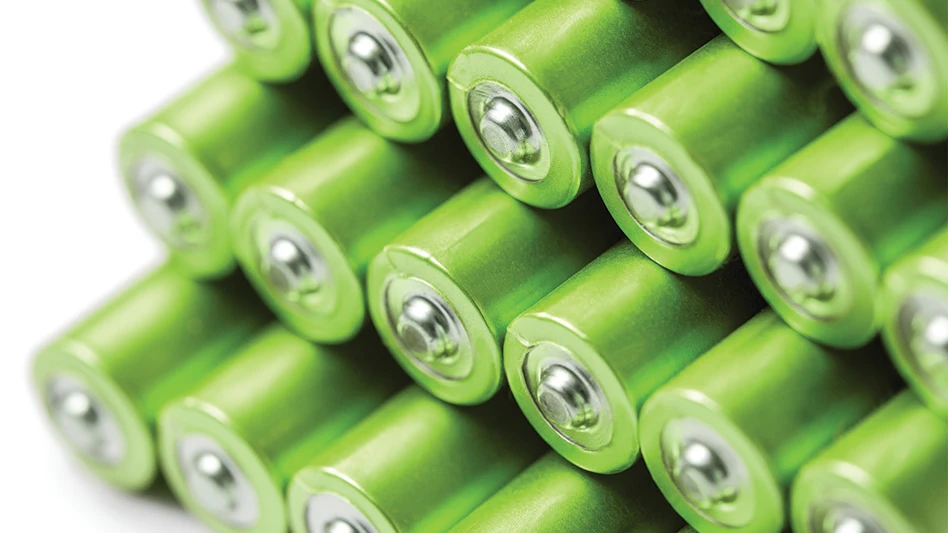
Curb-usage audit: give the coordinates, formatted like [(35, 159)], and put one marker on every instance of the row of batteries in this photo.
[(747, 420)]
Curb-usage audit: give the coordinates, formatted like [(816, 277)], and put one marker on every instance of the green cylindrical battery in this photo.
[(389, 58), (890, 473), (443, 292), (672, 177), (555, 496), (103, 382), (915, 326), (185, 165), (817, 231), (778, 31), (230, 447), (891, 58), (724, 438), (582, 361), (417, 465), (271, 39), (307, 231), (526, 96)]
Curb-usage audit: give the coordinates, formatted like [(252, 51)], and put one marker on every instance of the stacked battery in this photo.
[(389, 237)]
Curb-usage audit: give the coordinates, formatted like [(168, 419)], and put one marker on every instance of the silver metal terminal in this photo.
[(215, 482), (339, 526), (800, 264), (84, 421), (834, 517), (370, 66), (424, 328), (762, 15), (564, 399), (506, 132), (702, 475), (882, 58), (329, 513), (246, 22), (922, 331), (292, 266), (168, 205), (655, 196)]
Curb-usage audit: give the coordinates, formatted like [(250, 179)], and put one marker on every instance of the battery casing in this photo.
[(417, 464), (784, 35), (629, 326), (890, 467), (150, 344), (600, 52), (217, 138), (715, 154)]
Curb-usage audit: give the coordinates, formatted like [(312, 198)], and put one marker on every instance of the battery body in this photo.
[(816, 233), (185, 165), (707, 159), (263, 415), (157, 339), (416, 465), (888, 471), (442, 293), (272, 40), (389, 58), (724, 438), (915, 309), (891, 58), (781, 31), (623, 326), (338, 201), (555, 496), (525, 98)]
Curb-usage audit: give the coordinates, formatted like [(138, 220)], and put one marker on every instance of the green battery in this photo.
[(891, 58), (442, 293), (724, 438), (306, 232), (230, 447), (778, 31), (582, 361), (553, 496), (389, 58), (526, 96), (888, 474), (915, 327), (185, 165), (818, 230), (672, 177), (416, 465), (271, 39), (103, 382)]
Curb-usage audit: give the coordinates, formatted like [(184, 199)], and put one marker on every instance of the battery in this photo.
[(526, 96), (103, 382), (442, 293), (582, 361), (389, 58), (724, 438), (271, 39), (230, 447), (915, 326), (306, 232), (891, 58), (672, 177), (416, 464), (778, 31), (184, 166), (818, 230), (553, 496), (887, 474)]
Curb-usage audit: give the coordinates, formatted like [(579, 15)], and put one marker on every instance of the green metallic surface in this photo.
[(916, 107), (489, 257), (870, 198), (348, 193), (891, 467), (718, 152), (150, 344), (569, 62), (553, 496), (417, 464), (777, 399), (277, 403), (280, 51), (630, 325), (778, 31), (220, 136), (921, 274), (429, 37)]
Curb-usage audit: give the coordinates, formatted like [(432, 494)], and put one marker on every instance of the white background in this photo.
[(72, 76)]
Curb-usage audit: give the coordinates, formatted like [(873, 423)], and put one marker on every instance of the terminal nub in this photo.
[(653, 198), (370, 66), (931, 334), (507, 132), (702, 475), (882, 59), (847, 521), (339, 526), (168, 205), (564, 399), (425, 330), (290, 269), (799, 268), (214, 485), (80, 421), (240, 16)]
